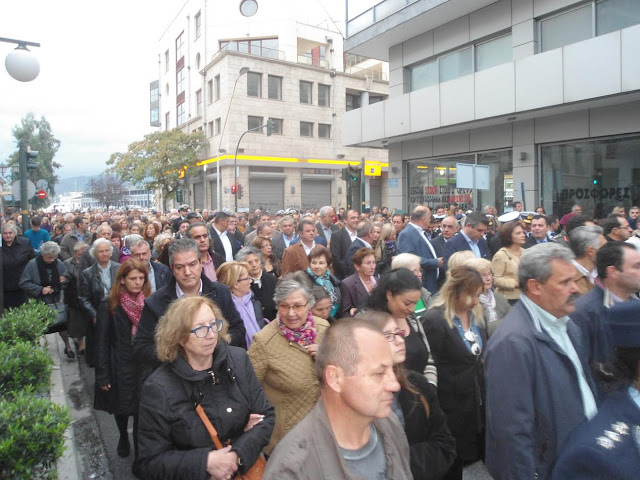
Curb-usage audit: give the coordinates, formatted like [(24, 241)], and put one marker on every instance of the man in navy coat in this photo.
[(414, 239), (471, 237)]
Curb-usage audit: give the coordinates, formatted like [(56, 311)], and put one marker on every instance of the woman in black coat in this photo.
[(117, 323), (432, 448), (16, 253), (457, 340), (200, 369), (320, 261)]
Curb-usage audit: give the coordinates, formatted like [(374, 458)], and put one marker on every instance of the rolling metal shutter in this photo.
[(266, 193), (315, 194), (198, 195), (375, 192)]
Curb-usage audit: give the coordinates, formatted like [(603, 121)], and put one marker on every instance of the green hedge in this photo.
[(23, 365), (32, 436), (26, 323)]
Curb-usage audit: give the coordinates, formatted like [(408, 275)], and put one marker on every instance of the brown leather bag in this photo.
[(257, 469)]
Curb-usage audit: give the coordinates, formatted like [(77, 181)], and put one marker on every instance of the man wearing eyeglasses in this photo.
[(187, 281), (350, 433), (539, 385)]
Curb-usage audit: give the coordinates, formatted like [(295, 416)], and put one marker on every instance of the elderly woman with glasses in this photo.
[(44, 278), (457, 339), (283, 354), (235, 275), (200, 369)]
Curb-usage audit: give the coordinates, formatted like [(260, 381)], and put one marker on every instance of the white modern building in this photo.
[(546, 93), (225, 69)]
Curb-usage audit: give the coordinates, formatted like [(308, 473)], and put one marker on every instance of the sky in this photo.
[(96, 62)]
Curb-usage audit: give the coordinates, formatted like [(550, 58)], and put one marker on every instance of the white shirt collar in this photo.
[(180, 293)]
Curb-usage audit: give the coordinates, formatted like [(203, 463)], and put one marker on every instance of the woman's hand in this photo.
[(63, 279), (312, 350), (105, 388), (222, 464), (353, 311), (47, 290), (254, 419)]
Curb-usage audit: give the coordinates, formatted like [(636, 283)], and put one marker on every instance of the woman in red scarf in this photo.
[(117, 324)]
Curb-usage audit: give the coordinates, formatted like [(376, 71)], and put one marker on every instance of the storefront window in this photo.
[(598, 175)]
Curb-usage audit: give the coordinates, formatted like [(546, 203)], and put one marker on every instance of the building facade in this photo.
[(228, 75), (544, 93)]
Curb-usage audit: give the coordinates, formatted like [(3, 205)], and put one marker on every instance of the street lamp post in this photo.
[(24, 67), (242, 71)]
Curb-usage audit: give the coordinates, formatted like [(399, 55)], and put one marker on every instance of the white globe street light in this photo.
[(21, 64)]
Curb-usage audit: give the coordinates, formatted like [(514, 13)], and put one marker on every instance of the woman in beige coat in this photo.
[(283, 354), (506, 261)]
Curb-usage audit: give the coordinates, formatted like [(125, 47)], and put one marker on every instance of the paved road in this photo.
[(96, 433)]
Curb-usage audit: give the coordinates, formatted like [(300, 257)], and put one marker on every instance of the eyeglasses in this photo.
[(475, 347), (203, 330), (391, 336), (296, 308), (244, 279)]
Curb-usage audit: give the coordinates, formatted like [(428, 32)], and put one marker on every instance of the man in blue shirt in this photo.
[(36, 235)]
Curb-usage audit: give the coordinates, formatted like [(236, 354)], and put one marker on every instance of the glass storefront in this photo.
[(598, 175), (433, 181)]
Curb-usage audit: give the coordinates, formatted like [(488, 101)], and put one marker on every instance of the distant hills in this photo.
[(73, 184)]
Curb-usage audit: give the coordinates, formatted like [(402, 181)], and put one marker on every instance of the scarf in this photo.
[(390, 245), (303, 336), (488, 302), (244, 306), (132, 306), (44, 269), (325, 282)]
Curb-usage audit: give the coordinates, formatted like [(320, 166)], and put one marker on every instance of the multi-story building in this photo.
[(227, 72), (545, 93), (131, 196)]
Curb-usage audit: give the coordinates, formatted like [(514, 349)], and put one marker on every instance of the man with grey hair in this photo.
[(325, 225), (187, 281), (363, 230), (282, 242), (470, 237), (350, 433), (539, 386), (585, 243), (159, 274)]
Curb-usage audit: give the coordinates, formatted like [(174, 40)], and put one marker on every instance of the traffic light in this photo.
[(270, 126), (239, 190), (353, 174), (234, 189), (597, 178), (32, 154)]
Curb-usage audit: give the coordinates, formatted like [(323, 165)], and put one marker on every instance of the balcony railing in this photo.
[(364, 72), (315, 62), (244, 47), (375, 14)]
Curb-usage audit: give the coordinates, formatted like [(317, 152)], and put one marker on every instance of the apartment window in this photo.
[(565, 28), (494, 52), (217, 87), (198, 24), (179, 45), (254, 122), (210, 131), (612, 15), (218, 128), (154, 93), (266, 47), (167, 120), (199, 102), (166, 61), (275, 87), (180, 81), (306, 129), (306, 89), (254, 84), (209, 92), (455, 64), (423, 75), (324, 130), (277, 126), (155, 117), (180, 114), (353, 101), (323, 95)]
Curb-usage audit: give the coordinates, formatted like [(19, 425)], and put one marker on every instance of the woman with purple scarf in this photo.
[(283, 354), (235, 275)]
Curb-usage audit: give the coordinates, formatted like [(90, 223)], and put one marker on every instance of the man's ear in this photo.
[(533, 287), (334, 378)]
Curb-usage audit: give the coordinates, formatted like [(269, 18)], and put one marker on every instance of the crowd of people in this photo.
[(338, 344)]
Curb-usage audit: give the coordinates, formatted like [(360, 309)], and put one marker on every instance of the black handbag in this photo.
[(61, 320)]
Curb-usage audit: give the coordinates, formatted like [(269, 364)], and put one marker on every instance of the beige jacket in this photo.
[(505, 273), (288, 376)]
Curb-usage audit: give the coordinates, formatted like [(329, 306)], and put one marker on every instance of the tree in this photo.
[(106, 189), (160, 161), (38, 135)]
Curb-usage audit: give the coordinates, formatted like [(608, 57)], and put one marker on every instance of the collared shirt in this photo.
[(366, 244), (82, 237), (209, 269), (105, 277), (307, 250), (152, 278), (472, 245), (611, 299), (226, 243), (544, 240), (180, 293), (423, 233), (257, 281), (635, 395), (352, 235), (287, 240), (557, 330), (327, 232), (373, 281), (591, 275)]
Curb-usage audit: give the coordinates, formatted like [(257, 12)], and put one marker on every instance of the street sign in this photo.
[(42, 184), (41, 194), (15, 189)]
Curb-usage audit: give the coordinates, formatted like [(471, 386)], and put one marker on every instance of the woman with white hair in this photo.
[(44, 279), (412, 262), (95, 284)]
